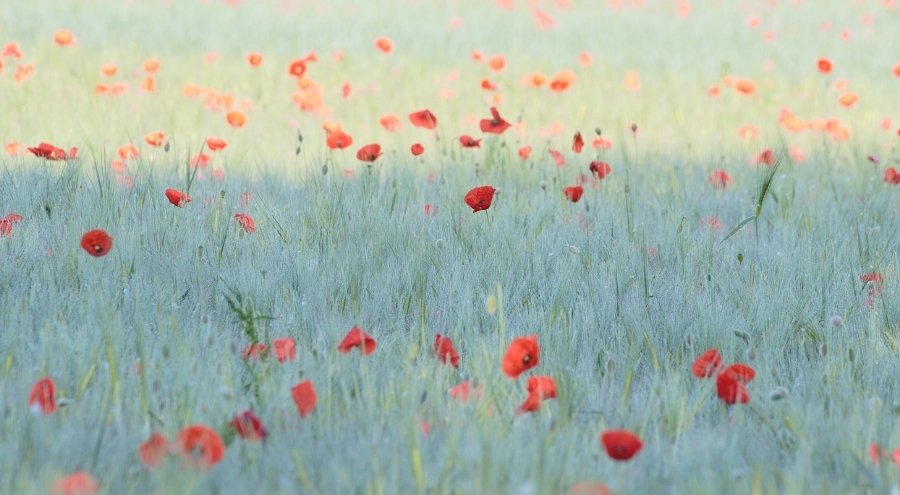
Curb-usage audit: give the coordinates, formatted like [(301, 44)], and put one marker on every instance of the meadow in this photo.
[(701, 298)]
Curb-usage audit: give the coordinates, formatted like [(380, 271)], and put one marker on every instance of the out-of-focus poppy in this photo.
[(390, 123), (216, 143), (77, 483), (719, 179), (824, 65), (467, 141), (246, 222), (155, 139), (96, 242), (356, 337), (254, 59), (200, 446), (707, 364), (600, 169), (285, 349), (63, 37), (153, 450), (494, 125), (236, 119), (524, 152), (248, 426), (417, 149), (577, 142), (621, 445), (446, 353), (384, 45), (369, 153), (42, 399), (424, 119), (177, 197), (304, 395), (573, 193)]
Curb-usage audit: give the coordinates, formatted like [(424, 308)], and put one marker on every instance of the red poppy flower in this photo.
[(96, 242), (128, 152), (356, 337), (522, 354), (577, 142), (236, 119), (558, 158), (41, 400), (77, 483), (5, 228), (177, 198), (254, 59), (254, 351), (524, 152), (154, 450), (384, 45), (200, 161), (719, 179), (562, 80), (487, 85), (285, 349), (494, 125), (304, 395), (417, 149), (540, 388), (707, 364), (467, 141), (891, 175), (297, 68), (824, 65), (50, 152), (336, 138), (463, 390), (424, 119), (369, 153), (246, 222), (573, 193), (391, 123), (600, 169), (200, 446), (155, 139), (249, 427), (730, 384), (621, 445), (589, 488), (443, 348), (480, 198), (216, 143), (13, 218), (766, 157)]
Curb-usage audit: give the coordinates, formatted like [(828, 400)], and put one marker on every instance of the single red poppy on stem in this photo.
[(356, 337), (246, 222), (480, 198), (177, 197), (248, 426), (200, 446), (417, 149), (77, 483), (153, 450), (707, 364), (424, 119), (96, 242), (573, 193), (41, 400), (446, 353), (369, 153), (494, 125), (285, 349), (467, 141), (621, 445), (304, 395), (522, 354), (577, 142), (600, 169)]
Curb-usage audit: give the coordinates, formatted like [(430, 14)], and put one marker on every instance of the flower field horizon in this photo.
[(516, 247)]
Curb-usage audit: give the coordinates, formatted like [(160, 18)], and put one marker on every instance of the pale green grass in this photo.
[(619, 328)]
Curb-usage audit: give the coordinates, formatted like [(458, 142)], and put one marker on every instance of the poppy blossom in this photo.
[(369, 153), (766, 157), (177, 197), (719, 179), (621, 445), (304, 395), (891, 176), (63, 37), (522, 354), (848, 99), (5, 227), (480, 198), (155, 139), (487, 85), (540, 388), (153, 450), (600, 169), (356, 337), (96, 242), (335, 138), (201, 160), (424, 119), (285, 349), (41, 399), (745, 87), (461, 391), (446, 353), (109, 70), (50, 152), (298, 67), (417, 149), (216, 143), (707, 364), (824, 65), (128, 152), (558, 158), (151, 66), (494, 125), (524, 152), (467, 141), (497, 63), (391, 123), (200, 446), (730, 384), (77, 483), (236, 119), (246, 222), (573, 193), (254, 59), (577, 142), (384, 45), (254, 351), (248, 426), (589, 488), (562, 80)]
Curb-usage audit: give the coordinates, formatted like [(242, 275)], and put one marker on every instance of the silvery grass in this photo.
[(618, 327)]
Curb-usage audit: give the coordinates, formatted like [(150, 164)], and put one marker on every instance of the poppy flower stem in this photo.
[(501, 318)]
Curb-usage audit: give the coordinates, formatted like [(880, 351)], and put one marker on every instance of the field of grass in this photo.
[(623, 289)]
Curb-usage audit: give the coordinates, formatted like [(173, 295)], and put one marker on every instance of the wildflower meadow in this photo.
[(515, 247)]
